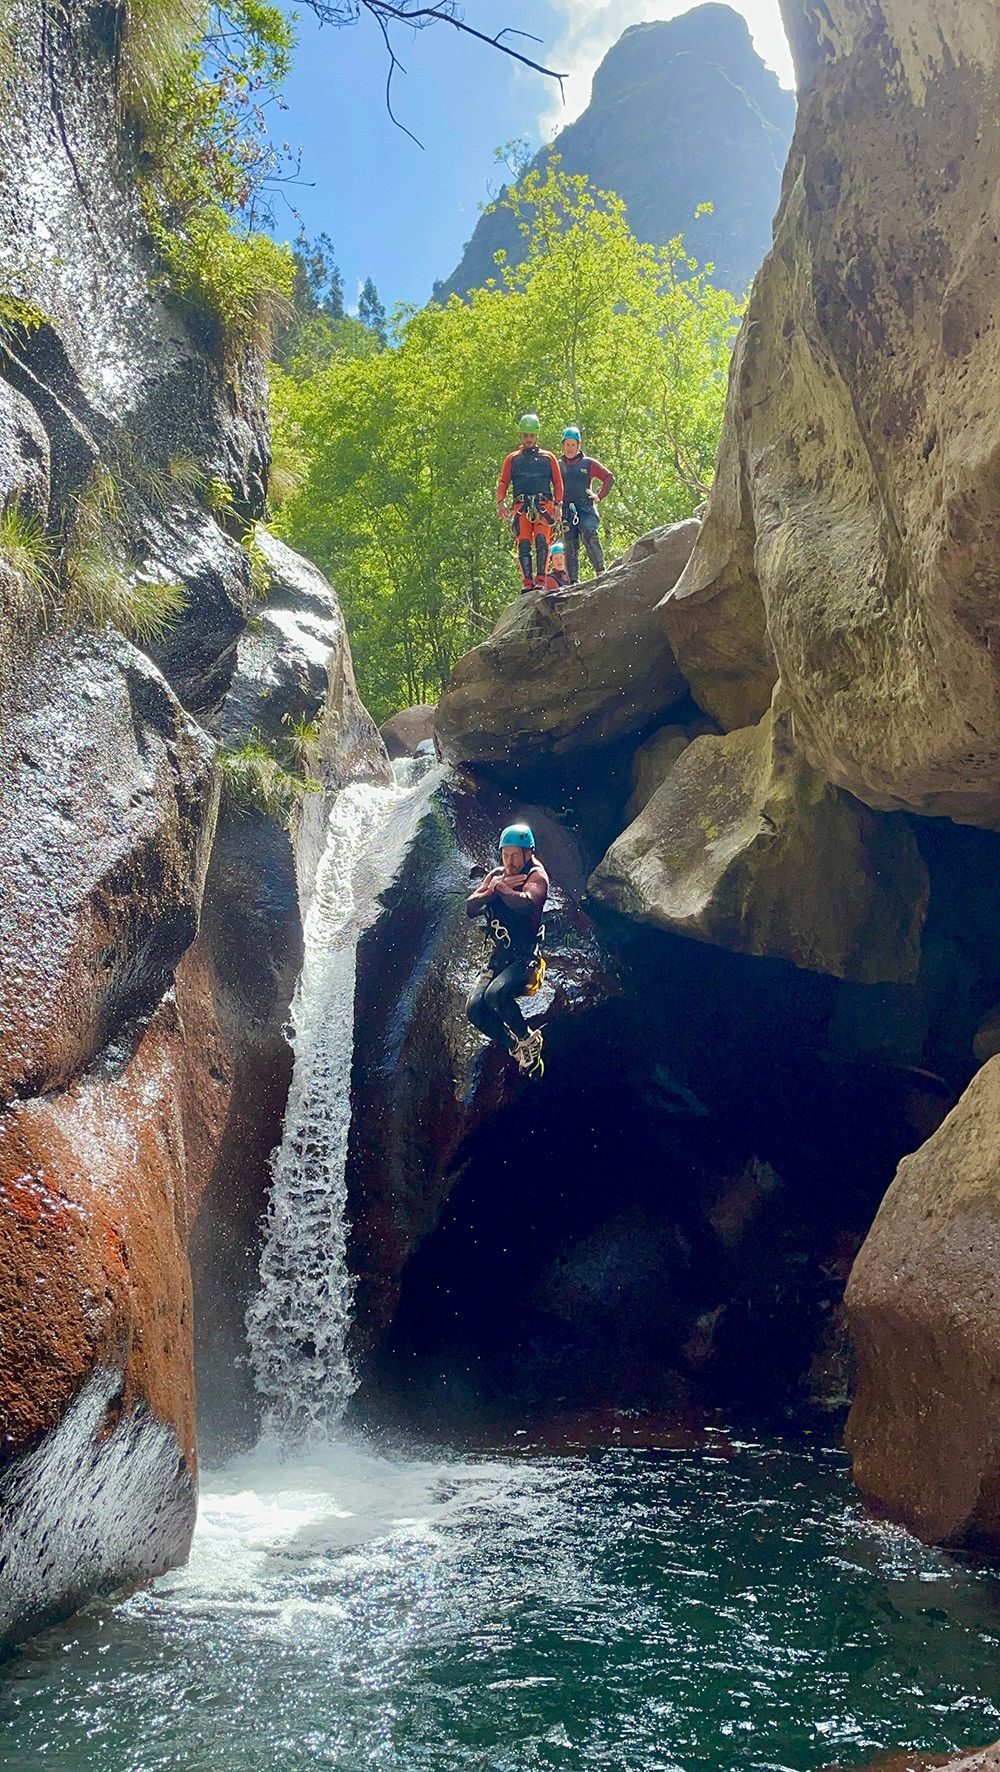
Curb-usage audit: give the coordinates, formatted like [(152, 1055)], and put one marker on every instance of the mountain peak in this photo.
[(682, 111)]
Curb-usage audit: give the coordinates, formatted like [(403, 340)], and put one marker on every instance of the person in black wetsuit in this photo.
[(580, 516), (512, 899)]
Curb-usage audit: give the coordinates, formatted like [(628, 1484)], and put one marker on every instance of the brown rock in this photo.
[(856, 503), (654, 760), (744, 846), (107, 808), (714, 615), (572, 671), (923, 1309), (986, 1759), (96, 1373), (406, 730)]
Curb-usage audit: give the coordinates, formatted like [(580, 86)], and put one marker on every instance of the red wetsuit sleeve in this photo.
[(557, 479), (599, 472), (504, 481)]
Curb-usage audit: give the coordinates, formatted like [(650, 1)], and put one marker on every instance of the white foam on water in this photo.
[(297, 1323)]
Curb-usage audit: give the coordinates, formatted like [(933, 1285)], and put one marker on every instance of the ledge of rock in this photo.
[(923, 1311), (986, 1759), (107, 805), (572, 671), (856, 502), (97, 1458), (745, 847)]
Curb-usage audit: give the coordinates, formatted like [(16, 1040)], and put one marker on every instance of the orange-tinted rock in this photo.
[(986, 1759), (106, 809), (95, 1361), (923, 1310)]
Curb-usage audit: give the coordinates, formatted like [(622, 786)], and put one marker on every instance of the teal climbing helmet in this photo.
[(571, 431), (517, 836)]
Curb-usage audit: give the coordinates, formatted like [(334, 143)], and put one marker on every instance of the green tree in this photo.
[(400, 451), (371, 313)]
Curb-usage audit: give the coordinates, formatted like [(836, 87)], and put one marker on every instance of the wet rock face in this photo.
[(234, 989), (95, 1367), (107, 804), (106, 370), (922, 1309), (856, 510), (571, 672), (742, 845), (423, 1076)]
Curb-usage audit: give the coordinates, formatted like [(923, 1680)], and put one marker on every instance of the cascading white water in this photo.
[(298, 1321)]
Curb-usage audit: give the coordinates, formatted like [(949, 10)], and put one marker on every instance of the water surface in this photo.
[(703, 1611)]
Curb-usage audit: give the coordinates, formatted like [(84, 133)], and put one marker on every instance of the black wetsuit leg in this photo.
[(493, 1006), (595, 552)]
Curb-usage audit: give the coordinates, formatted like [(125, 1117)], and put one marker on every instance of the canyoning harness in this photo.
[(500, 945), (538, 508)]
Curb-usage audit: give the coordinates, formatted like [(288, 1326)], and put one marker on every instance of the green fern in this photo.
[(219, 496), (260, 571), (303, 738)]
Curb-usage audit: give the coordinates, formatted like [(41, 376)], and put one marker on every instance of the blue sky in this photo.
[(400, 214)]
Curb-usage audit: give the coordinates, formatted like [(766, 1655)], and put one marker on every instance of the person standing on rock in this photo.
[(512, 899), (533, 478), (580, 516)]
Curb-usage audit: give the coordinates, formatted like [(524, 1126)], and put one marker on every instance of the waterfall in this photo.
[(298, 1321)]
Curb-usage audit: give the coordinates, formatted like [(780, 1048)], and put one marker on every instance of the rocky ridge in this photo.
[(682, 112)]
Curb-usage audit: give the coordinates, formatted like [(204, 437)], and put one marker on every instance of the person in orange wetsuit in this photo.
[(533, 479)]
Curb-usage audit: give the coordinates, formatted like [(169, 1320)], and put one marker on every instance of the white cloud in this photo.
[(591, 26)]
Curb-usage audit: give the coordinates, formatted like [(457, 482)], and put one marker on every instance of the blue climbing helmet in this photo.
[(571, 431), (517, 836)]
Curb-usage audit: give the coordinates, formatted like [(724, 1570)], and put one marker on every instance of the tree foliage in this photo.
[(399, 452)]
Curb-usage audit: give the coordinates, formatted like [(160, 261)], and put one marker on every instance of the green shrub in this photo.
[(102, 591), (27, 550), (256, 779), (240, 283)]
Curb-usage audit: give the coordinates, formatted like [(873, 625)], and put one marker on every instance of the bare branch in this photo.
[(394, 63), (343, 12)]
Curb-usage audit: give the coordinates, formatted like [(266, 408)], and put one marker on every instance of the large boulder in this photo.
[(569, 672), (404, 732), (107, 805), (744, 846), (97, 1455), (854, 525), (923, 1309)]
